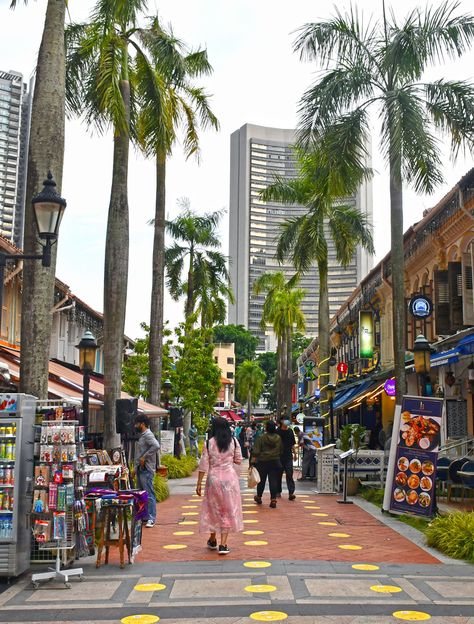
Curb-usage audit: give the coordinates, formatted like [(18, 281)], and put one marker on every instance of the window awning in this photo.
[(445, 357), (466, 345), (351, 394), (230, 416)]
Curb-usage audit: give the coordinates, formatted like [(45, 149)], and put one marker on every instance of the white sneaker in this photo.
[(150, 524)]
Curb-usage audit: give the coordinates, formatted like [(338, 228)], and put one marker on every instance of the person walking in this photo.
[(288, 455), (221, 510), (308, 468), (193, 441), (145, 464), (266, 455)]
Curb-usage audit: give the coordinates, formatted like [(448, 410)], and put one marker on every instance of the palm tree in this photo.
[(304, 238), (250, 379), (213, 294), (382, 65), (282, 310), (45, 152), (196, 242), (101, 86), (169, 100)]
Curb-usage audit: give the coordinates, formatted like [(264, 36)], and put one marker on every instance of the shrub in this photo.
[(453, 535), (179, 468), (161, 488)]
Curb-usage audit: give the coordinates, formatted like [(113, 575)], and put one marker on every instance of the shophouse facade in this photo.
[(439, 252), (224, 357)]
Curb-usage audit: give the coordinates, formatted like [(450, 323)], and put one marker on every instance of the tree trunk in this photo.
[(397, 277), (249, 404), (157, 287), (116, 276), (323, 336), (289, 372), (189, 308), (278, 377), (46, 152), (283, 377)]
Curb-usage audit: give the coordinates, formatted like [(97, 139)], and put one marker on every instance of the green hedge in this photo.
[(161, 488), (453, 535), (179, 468)]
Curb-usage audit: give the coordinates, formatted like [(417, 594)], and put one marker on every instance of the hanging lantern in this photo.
[(450, 379)]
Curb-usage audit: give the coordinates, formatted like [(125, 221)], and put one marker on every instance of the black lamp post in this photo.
[(167, 385), (48, 207), (87, 348), (422, 360), (330, 393)]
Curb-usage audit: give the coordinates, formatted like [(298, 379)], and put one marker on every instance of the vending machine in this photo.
[(17, 414)]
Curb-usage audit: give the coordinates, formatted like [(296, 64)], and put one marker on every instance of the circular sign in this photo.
[(390, 387), (420, 306), (342, 368), (300, 418)]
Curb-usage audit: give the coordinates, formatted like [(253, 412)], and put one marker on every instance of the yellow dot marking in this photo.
[(140, 619), (144, 587), (174, 546), (412, 616), (349, 547), (256, 543), (268, 616), (249, 512), (183, 533), (247, 505), (319, 514), (328, 523), (194, 500), (302, 496), (257, 564), (260, 589), (250, 521), (189, 507), (386, 589), (252, 532), (365, 566), (338, 534), (191, 513), (188, 522), (311, 507)]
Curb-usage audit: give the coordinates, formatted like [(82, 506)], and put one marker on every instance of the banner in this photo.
[(167, 442), (411, 476), (366, 334)]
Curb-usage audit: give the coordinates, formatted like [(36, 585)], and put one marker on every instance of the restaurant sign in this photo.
[(366, 334)]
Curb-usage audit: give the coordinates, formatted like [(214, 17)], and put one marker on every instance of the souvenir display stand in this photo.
[(17, 413)]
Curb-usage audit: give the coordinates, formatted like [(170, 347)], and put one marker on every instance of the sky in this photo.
[(257, 79)]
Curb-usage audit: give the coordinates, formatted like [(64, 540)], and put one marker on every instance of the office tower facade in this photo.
[(14, 132), (258, 154)]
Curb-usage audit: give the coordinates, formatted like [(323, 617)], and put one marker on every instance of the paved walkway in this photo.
[(302, 573)]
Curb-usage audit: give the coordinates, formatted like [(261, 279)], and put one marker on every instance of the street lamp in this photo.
[(422, 359), (87, 348), (330, 393), (167, 385), (48, 207)]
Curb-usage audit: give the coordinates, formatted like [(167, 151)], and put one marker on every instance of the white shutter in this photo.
[(467, 292)]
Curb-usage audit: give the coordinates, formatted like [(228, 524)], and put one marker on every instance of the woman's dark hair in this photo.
[(221, 432), (270, 426)]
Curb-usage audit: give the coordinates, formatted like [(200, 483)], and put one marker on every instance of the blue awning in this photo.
[(352, 393), (466, 345), (445, 357)]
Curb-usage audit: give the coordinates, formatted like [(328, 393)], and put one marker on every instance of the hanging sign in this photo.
[(342, 368), (310, 375), (366, 334), (420, 306), (390, 387), (413, 458)]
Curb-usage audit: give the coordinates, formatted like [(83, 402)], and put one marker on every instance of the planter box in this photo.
[(162, 471)]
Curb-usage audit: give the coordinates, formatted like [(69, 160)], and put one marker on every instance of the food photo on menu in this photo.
[(420, 432)]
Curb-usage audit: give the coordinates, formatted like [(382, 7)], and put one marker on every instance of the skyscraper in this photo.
[(257, 154), (14, 132)]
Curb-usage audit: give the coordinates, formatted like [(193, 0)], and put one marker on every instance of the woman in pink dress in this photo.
[(221, 510)]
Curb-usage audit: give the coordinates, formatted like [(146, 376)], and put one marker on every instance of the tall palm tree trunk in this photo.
[(323, 333), (249, 403), (283, 377), (189, 308), (398, 278), (46, 151), (278, 378), (289, 371), (157, 288), (116, 275)]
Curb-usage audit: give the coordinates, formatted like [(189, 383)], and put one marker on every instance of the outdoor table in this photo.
[(110, 513)]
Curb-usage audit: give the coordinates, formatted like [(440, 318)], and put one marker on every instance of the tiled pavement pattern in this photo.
[(313, 579)]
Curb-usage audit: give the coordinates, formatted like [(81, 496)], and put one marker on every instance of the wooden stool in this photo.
[(109, 514)]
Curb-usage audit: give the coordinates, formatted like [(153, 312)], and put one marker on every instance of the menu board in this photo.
[(414, 473)]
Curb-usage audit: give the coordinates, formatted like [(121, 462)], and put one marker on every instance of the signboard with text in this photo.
[(366, 334)]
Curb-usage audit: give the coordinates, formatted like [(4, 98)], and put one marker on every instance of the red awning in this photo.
[(230, 415)]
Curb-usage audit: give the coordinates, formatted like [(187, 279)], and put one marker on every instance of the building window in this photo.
[(230, 375), (230, 360)]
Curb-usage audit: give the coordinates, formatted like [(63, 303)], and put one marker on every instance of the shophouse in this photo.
[(439, 252)]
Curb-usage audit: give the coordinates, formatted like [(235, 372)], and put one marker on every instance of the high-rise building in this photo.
[(257, 154), (14, 133)]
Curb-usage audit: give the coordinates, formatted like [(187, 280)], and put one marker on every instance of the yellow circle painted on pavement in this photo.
[(191, 513), (256, 543), (248, 505), (252, 532), (412, 616), (249, 512), (386, 589), (338, 534), (183, 533), (174, 546), (260, 589), (189, 507), (349, 547), (188, 522), (251, 521), (194, 500), (144, 587), (257, 564), (324, 523), (319, 514), (302, 496), (140, 619), (311, 507), (365, 566), (268, 616)]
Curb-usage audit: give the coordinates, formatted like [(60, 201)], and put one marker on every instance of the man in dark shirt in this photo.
[(288, 456)]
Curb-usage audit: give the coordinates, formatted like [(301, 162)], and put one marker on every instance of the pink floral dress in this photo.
[(221, 509)]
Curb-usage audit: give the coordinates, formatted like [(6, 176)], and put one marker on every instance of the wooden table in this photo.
[(109, 514)]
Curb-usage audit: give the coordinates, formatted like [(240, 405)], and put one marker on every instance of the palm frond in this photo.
[(349, 228), (286, 191), (197, 64)]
